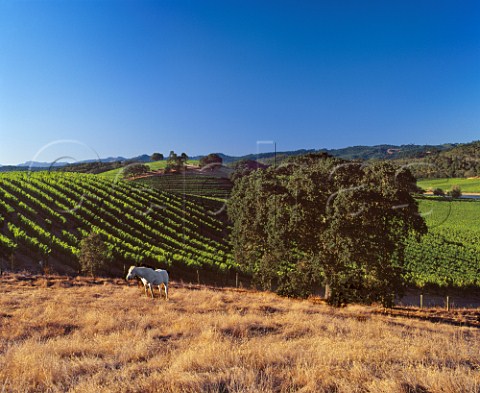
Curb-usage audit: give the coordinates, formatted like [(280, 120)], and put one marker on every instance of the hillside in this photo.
[(467, 185), (460, 161), (195, 182), (448, 255), (376, 152), (61, 334), (154, 166), (192, 181), (448, 160), (44, 216)]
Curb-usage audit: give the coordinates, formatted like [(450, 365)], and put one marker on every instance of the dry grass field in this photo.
[(60, 335)]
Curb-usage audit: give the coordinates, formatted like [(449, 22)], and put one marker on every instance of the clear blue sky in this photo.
[(132, 77)]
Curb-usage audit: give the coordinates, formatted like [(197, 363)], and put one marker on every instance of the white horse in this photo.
[(150, 278)]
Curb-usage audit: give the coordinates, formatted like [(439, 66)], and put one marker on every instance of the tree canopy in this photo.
[(156, 157), (319, 220), (135, 170), (176, 162), (93, 254), (455, 192), (212, 159)]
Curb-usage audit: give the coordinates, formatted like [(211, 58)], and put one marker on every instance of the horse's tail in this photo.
[(168, 271)]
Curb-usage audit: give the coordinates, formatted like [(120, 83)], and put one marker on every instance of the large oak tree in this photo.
[(318, 220)]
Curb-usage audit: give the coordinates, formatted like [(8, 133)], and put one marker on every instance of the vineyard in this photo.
[(467, 185), (193, 181), (180, 221), (44, 216), (449, 254), (190, 183)]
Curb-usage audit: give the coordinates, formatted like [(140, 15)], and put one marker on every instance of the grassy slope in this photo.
[(61, 336), (466, 185), (450, 214), (153, 166)]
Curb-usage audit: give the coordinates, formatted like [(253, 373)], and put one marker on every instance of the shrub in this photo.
[(135, 170), (455, 192), (93, 254)]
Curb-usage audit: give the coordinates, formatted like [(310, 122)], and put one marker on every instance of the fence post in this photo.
[(236, 280), (198, 277), (448, 303), (421, 300)]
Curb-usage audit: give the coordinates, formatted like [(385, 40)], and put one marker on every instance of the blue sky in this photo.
[(108, 78)]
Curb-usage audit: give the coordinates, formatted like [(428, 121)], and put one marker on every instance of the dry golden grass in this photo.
[(71, 335)]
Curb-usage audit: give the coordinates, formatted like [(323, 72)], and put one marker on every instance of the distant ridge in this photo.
[(39, 166), (377, 152)]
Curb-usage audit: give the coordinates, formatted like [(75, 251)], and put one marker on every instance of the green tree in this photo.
[(369, 224), (212, 159), (245, 167), (455, 192), (317, 219), (156, 157), (438, 192), (175, 162), (135, 170), (93, 254)]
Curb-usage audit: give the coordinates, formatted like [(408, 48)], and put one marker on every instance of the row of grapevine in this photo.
[(47, 214), (449, 254), (190, 183)]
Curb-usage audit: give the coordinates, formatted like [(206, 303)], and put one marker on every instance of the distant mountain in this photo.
[(378, 152), (15, 168), (259, 156), (449, 159), (461, 160), (141, 158), (108, 159), (37, 164), (387, 152)]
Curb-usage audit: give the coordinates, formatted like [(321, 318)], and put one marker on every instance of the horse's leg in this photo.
[(151, 290), (145, 288), (166, 290)]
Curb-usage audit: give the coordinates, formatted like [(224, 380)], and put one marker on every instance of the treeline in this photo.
[(459, 161), (425, 161), (357, 153), (91, 167)]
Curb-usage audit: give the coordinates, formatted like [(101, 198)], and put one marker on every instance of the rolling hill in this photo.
[(44, 216), (377, 152), (179, 220)]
